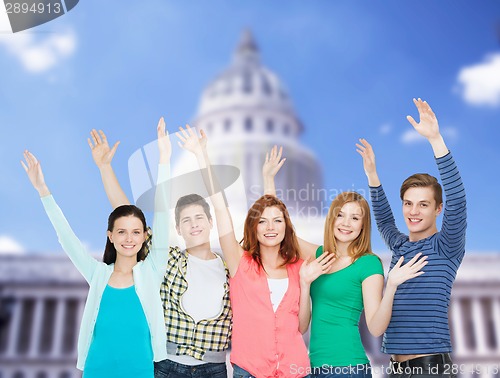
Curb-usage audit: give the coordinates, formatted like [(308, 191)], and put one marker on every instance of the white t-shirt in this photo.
[(204, 295), (277, 289)]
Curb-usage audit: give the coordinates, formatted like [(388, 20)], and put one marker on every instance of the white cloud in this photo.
[(38, 53), (411, 136), (479, 84), (385, 128), (10, 246), (450, 134)]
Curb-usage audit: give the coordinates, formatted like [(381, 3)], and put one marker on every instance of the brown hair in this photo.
[(362, 244), (423, 180), (289, 248), (191, 200)]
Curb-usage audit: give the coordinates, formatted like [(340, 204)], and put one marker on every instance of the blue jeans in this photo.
[(241, 373), (171, 369), (351, 371)]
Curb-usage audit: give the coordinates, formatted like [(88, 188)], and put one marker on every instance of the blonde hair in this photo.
[(362, 244)]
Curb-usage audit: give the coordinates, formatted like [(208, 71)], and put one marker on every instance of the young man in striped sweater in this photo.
[(418, 336)]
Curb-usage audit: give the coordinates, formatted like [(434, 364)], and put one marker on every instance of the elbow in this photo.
[(303, 329), (376, 331)]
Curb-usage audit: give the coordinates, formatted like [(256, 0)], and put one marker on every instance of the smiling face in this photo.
[(420, 212), (194, 226), (349, 223), (271, 227), (127, 236)]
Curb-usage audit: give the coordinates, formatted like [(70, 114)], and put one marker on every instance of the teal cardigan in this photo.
[(148, 274)]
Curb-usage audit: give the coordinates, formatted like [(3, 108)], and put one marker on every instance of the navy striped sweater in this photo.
[(419, 322)]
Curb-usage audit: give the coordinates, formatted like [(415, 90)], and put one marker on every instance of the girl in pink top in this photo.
[(267, 337)]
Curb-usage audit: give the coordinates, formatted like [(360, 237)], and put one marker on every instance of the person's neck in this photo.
[(270, 256), (202, 251), (342, 249), (416, 236), (125, 264)]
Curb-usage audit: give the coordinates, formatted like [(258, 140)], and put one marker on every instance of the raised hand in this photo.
[(428, 126), (366, 151), (401, 273), (164, 145), (34, 170), (273, 162), (189, 141), (101, 153), (310, 270)]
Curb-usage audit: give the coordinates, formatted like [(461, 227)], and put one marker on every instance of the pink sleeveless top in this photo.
[(265, 343)]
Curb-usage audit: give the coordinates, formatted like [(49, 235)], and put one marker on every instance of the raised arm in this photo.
[(270, 168), (231, 249), (85, 263), (451, 239), (380, 205), (161, 230), (103, 155), (378, 307)]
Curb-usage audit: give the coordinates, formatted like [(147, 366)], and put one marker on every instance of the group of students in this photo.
[(162, 311)]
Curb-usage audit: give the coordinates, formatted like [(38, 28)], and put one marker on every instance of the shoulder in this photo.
[(370, 263)]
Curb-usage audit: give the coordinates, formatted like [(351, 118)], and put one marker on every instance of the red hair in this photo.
[(289, 247)]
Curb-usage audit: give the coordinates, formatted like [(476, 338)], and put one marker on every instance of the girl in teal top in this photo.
[(122, 330), (352, 283)]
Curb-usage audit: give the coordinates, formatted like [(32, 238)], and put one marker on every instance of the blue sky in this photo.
[(351, 69)]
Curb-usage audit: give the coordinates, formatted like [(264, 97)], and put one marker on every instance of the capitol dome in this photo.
[(247, 85), (246, 110)]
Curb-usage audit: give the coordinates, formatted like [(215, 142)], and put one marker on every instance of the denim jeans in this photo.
[(351, 371), (171, 369)]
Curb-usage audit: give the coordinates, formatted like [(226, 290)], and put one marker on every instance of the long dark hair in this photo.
[(289, 248), (109, 256)]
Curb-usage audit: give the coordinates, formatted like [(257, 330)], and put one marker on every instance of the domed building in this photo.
[(246, 110)]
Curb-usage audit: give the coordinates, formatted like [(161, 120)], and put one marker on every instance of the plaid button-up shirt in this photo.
[(193, 339)]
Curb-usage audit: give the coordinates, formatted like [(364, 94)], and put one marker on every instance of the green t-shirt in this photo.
[(337, 302)]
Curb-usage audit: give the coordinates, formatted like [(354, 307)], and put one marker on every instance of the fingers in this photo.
[(412, 121), (280, 152), (181, 137), (103, 137), (363, 147), (400, 261), (280, 164), (203, 135), (95, 139), (186, 132), (326, 260), (160, 128), (31, 160), (113, 150)]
